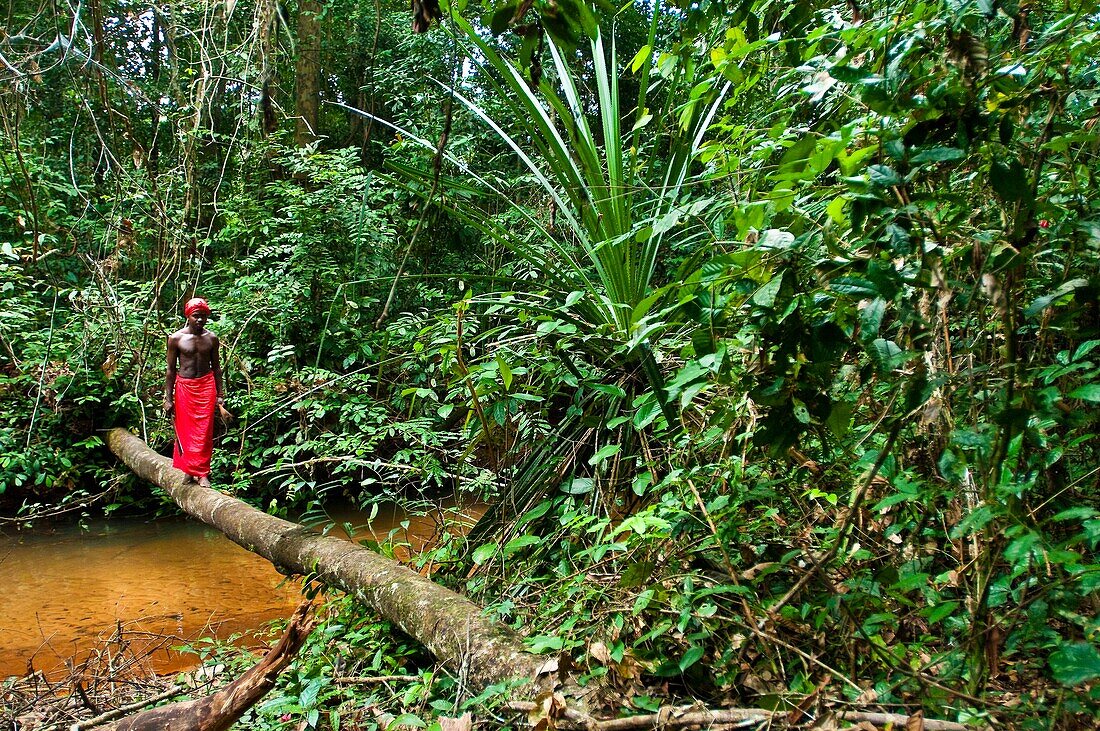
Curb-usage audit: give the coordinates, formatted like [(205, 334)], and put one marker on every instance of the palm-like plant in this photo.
[(616, 205), (612, 216)]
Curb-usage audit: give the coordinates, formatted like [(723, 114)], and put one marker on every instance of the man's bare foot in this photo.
[(204, 481)]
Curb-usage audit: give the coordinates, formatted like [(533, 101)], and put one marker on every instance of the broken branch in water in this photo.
[(221, 710)]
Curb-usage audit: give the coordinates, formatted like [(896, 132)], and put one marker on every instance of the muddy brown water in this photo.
[(69, 590)]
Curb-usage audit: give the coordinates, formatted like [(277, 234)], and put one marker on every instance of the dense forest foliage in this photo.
[(768, 330)]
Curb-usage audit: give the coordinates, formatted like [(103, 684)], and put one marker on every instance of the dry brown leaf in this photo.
[(465, 722), (750, 574), (867, 697), (915, 722), (756, 684), (548, 667), (796, 714), (548, 708), (599, 651)]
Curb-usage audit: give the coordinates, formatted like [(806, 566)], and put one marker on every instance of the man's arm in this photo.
[(170, 372), (216, 367)]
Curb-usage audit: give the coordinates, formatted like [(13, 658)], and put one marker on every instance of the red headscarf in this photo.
[(194, 305)]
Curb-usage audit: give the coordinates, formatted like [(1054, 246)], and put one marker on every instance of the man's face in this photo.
[(197, 320)]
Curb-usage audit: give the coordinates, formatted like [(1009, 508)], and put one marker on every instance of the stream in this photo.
[(70, 591)]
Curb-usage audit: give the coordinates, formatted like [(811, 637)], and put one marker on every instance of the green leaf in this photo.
[(498, 22), (666, 222), (308, 696), (579, 486), (884, 175), (1081, 512), (1085, 348), (856, 286), (937, 154), (1009, 180), (505, 373), (850, 74), (941, 611), (835, 209), (542, 643), (765, 296), (1091, 392), (534, 513), (870, 317), (640, 58), (520, 542), (1075, 664), (608, 389), (911, 582), (484, 553), (840, 418), (693, 655), (647, 411), (1041, 303), (406, 719), (885, 354), (974, 522), (642, 601), (605, 451), (775, 238), (637, 574)]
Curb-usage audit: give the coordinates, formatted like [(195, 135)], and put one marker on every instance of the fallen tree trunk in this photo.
[(219, 711), (450, 626)]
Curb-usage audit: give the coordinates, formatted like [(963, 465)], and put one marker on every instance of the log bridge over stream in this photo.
[(454, 629)]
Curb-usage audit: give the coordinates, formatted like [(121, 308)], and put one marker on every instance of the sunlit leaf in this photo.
[(1075, 663)]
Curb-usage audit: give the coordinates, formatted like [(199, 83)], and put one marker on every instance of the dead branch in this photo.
[(123, 710), (377, 680), (690, 717), (221, 710)]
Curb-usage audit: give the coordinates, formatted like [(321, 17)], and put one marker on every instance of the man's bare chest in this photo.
[(195, 345)]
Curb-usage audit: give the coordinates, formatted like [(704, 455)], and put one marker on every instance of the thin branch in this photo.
[(379, 680), (123, 710)]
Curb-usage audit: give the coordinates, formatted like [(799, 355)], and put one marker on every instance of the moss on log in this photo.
[(450, 626)]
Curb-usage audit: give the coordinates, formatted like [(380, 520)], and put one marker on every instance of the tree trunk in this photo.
[(307, 72), (267, 24), (221, 710), (449, 625)]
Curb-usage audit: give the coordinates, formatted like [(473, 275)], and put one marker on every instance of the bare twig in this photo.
[(695, 717), (379, 680), (123, 710)]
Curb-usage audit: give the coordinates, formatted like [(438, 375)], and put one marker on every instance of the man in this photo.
[(193, 390)]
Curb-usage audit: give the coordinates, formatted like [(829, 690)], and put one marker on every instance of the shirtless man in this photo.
[(192, 391)]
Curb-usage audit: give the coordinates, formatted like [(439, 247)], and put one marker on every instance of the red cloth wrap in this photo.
[(194, 305), (195, 402)]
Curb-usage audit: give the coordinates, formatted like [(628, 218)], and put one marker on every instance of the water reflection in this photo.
[(67, 590)]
